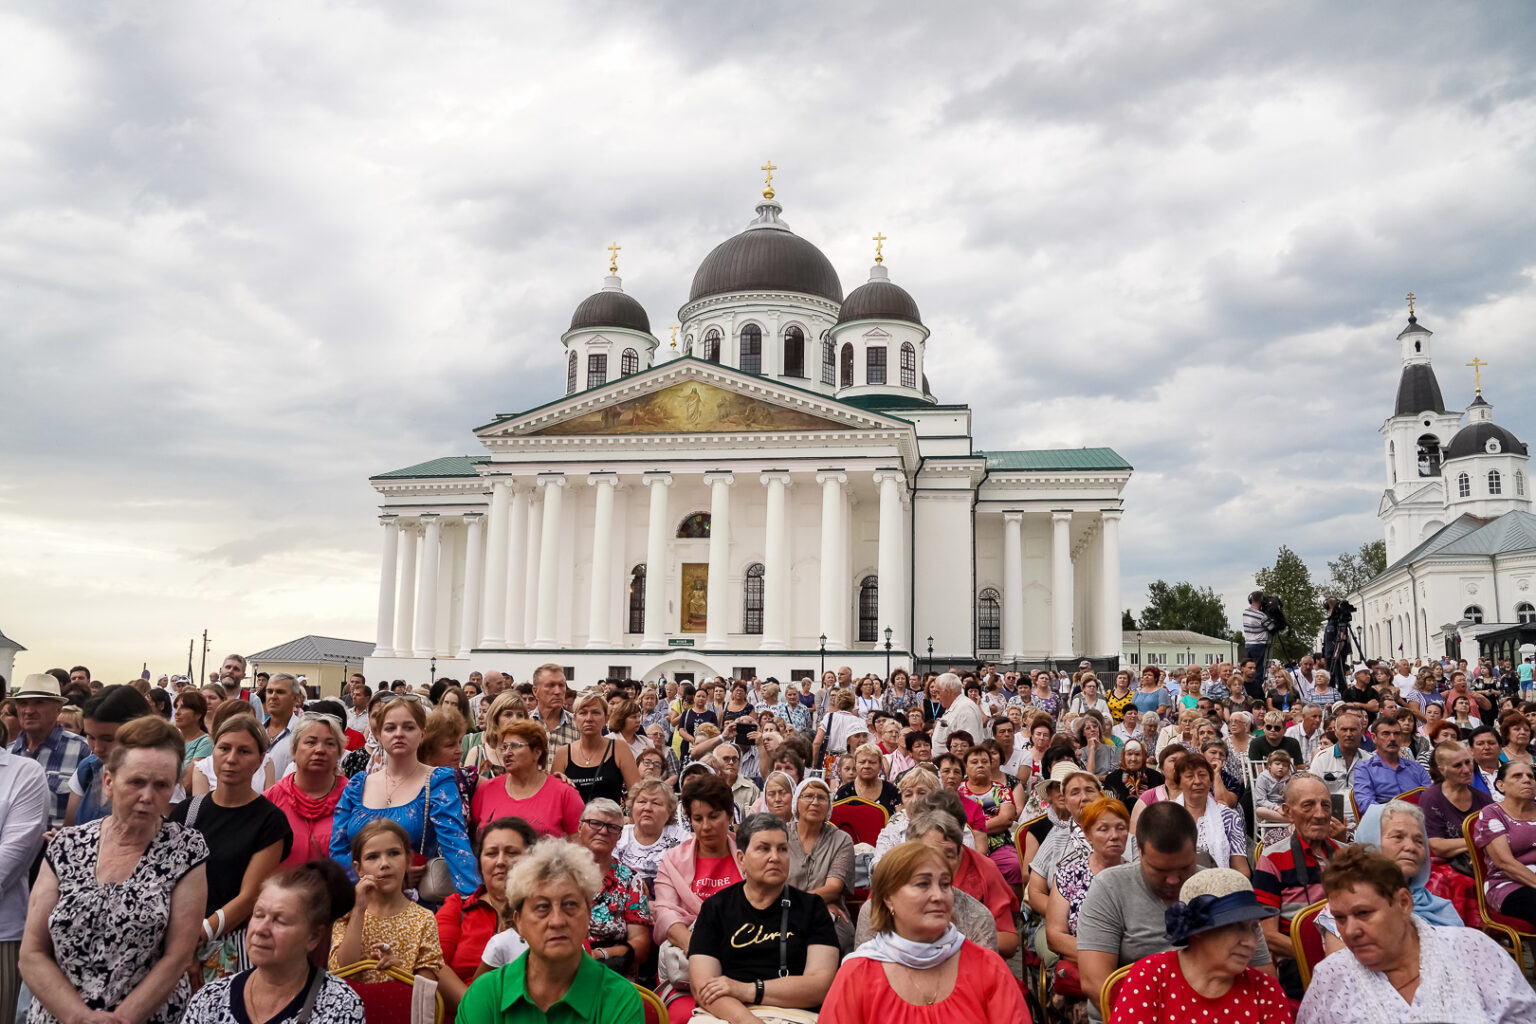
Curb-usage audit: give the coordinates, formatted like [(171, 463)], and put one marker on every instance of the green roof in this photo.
[(452, 465), (1052, 459), (880, 403)]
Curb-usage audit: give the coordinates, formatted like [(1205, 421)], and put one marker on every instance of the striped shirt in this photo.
[(1279, 882), (1255, 626), (59, 754)]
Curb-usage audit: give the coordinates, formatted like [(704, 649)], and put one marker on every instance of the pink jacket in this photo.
[(675, 901)]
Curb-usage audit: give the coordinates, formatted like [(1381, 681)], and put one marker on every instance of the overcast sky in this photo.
[(250, 255)]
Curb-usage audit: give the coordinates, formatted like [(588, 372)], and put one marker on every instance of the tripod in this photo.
[(1336, 650)]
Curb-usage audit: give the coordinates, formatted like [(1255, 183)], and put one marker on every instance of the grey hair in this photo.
[(945, 802), (762, 821), (919, 774), (938, 821), (1322, 675), (602, 805), (948, 682), (285, 675), (1403, 809), (314, 721), (648, 784), (550, 860), (1296, 779)]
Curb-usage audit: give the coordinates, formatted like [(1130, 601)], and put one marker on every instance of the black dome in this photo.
[(1472, 439), (1418, 391), (766, 259), (611, 309), (879, 300)]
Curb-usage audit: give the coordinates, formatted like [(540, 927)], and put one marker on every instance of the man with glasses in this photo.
[(1386, 774), (744, 791)]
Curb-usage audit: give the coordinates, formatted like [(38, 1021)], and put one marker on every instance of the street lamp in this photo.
[(823, 655), (432, 669), (887, 654), (930, 654), (1139, 665)]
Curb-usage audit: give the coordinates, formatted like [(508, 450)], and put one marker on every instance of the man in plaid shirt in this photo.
[(44, 740), (549, 691)]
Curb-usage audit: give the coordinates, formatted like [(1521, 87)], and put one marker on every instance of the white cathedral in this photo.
[(784, 493), (1460, 535)]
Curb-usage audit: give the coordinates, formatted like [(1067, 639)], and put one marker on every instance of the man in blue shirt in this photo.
[(1385, 774), (38, 703)]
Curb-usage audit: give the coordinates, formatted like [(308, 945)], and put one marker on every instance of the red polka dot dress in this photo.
[(1155, 992)]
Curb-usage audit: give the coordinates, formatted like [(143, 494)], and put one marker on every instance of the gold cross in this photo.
[(1410, 303), (673, 328), (879, 241), (613, 257), (1477, 370), (768, 168)]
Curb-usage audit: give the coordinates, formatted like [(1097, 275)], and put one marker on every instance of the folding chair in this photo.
[(1307, 940), (386, 1002), (1494, 923), (862, 819), (1106, 994), (655, 1009), (1413, 796)]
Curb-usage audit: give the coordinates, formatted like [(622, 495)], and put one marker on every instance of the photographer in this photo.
[(1261, 620), (1336, 636)]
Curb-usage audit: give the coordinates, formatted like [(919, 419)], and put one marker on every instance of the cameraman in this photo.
[(1257, 627), (1336, 647)]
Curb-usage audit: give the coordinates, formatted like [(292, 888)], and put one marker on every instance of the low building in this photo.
[(324, 661), (1171, 648)]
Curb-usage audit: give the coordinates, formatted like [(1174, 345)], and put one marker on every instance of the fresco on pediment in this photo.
[(689, 407)]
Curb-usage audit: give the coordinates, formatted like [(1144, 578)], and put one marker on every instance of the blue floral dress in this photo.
[(434, 821)]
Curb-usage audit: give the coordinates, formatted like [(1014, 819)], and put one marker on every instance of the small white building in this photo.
[(1172, 648), (785, 492), (1460, 534), (8, 650)]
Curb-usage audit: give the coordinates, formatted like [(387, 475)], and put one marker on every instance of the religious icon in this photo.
[(695, 601), (689, 407)]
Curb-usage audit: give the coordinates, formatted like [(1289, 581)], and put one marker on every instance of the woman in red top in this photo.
[(1216, 923), (527, 791), (309, 794), (918, 968), (466, 923)]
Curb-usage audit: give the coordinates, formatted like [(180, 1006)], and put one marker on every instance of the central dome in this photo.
[(766, 257)]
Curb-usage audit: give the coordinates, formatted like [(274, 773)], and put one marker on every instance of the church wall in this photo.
[(942, 523), (1037, 585), (989, 566)]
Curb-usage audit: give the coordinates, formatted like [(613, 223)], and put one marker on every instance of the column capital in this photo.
[(507, 482), (389, 519), (1111, 513), (593, 479), (551, 480), (720, 476), (775, 476), (665, 479), (1061, 515), (834, 476), (468, 516), (1013, 516), (882, 475), (430, 515)]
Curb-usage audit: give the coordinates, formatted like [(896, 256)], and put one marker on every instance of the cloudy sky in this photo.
[(251, 254)]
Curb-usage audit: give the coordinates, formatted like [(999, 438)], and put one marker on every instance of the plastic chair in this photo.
[(1106, 994), (1494, 923), (650, 1002), (1307, 940), (386, 1002), (862, 819), (1413, 796)]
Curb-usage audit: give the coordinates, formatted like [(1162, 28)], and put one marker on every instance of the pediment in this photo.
[(690, 396)]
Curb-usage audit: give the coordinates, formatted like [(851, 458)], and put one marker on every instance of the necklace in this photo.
[(1405, 984), (390, 787), (928, 999)]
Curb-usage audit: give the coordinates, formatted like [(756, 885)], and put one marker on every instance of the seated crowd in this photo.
[(1215, 845)]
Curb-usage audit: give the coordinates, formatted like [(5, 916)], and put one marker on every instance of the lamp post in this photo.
[(930, 654), (1139, 665), (823, 656), (887, 654), (432, 669)]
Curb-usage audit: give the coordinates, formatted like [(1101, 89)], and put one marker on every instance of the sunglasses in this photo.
[(415, 698)]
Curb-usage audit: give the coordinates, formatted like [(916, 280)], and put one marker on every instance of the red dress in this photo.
[(984, 991), (1155, 992)]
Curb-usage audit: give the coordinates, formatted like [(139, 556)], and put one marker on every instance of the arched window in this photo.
[(712, 345), (752, 600), (1525, 614), (1464, 486), (828, 363), (869, 609), (1519, 483), (597, 369), (794, 352), (1474, 613), (570, 374), (846, 368), (874, 364), (629, 362), (1392, 460), (752, 349), (1429, 455), (989, 621), (908, 365), (688, 345), (637, 599), (1495, 482), (694, 526)]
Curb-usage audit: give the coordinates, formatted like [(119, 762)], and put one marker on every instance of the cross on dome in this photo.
[(768, 169), (1477, 372), (613, 257), (879, 240), (1410, 303)]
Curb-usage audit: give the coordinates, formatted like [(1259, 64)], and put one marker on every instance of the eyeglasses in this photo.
[(513, 746), (385, 698), (318, 716), (603, 826)]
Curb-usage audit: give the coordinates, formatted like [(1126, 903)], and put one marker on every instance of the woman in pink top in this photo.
[(309, 794), (527, 791)]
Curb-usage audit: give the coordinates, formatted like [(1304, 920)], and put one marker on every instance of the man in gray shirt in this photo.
[(1121, 919)]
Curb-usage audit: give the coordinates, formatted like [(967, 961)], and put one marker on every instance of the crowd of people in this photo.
[(930, 847)]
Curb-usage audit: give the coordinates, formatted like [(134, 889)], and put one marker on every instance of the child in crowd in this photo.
[(385, 926), (1269, 787)]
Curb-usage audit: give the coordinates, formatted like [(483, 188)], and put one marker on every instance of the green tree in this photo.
[(1349, 572), (1127, 620), (1289, 580), (1184, 606)]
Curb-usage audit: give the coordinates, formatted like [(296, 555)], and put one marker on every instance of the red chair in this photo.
[(655, 1009), (386, 1002), (1413, 796), (1107, 994), (1495, 924), (1307, 940), (862, 819)]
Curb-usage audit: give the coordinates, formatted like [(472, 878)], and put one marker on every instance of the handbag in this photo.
[(672, 966), (436, 884)]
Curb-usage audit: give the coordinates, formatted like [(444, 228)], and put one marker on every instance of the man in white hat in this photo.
[(43, 739)]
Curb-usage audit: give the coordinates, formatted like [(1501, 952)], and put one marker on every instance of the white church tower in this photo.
[(1413, 506), (609, 337), (1485, 465)]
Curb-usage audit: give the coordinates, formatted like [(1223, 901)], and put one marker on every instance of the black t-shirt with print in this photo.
[(746, 940)]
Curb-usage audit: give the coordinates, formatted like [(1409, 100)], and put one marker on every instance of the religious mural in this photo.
[(690, 407), (695, 602)]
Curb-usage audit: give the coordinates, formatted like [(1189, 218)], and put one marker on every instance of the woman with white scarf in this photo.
[(1221, 842), (918, 969), (821, 855)]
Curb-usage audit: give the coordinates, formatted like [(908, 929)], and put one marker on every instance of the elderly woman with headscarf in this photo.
[(1397, 829), (821, 855)]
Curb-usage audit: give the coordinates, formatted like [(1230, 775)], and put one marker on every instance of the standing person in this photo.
[(421, 799), (383, 925), (105, 713), (599, 766), (960, 713), (1152, 697), (294, 914), (549, 689), (115, 915), (38, 703), (1257, 627), (284, 697), (308, 795), (23, 819), (525, 790), (1308, 733), (247, 839), (357, 708), (697, 714), (190, 717)]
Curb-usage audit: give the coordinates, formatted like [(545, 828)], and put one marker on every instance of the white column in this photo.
[(426, 587), (474, 564), (533, 543), (776, 561), (496, 567), (1013, 586), (834, 602), (384, 645), (600, 608), (549, 563), (1109, 583), (891, 567), (517, 567), (719, 558), (1061, 584), (405, 608), (656, 530)]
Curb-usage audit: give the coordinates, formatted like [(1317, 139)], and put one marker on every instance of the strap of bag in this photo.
[(426, 812), (308, 1009), (1299, 861), (192, 809), (784, 934)]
